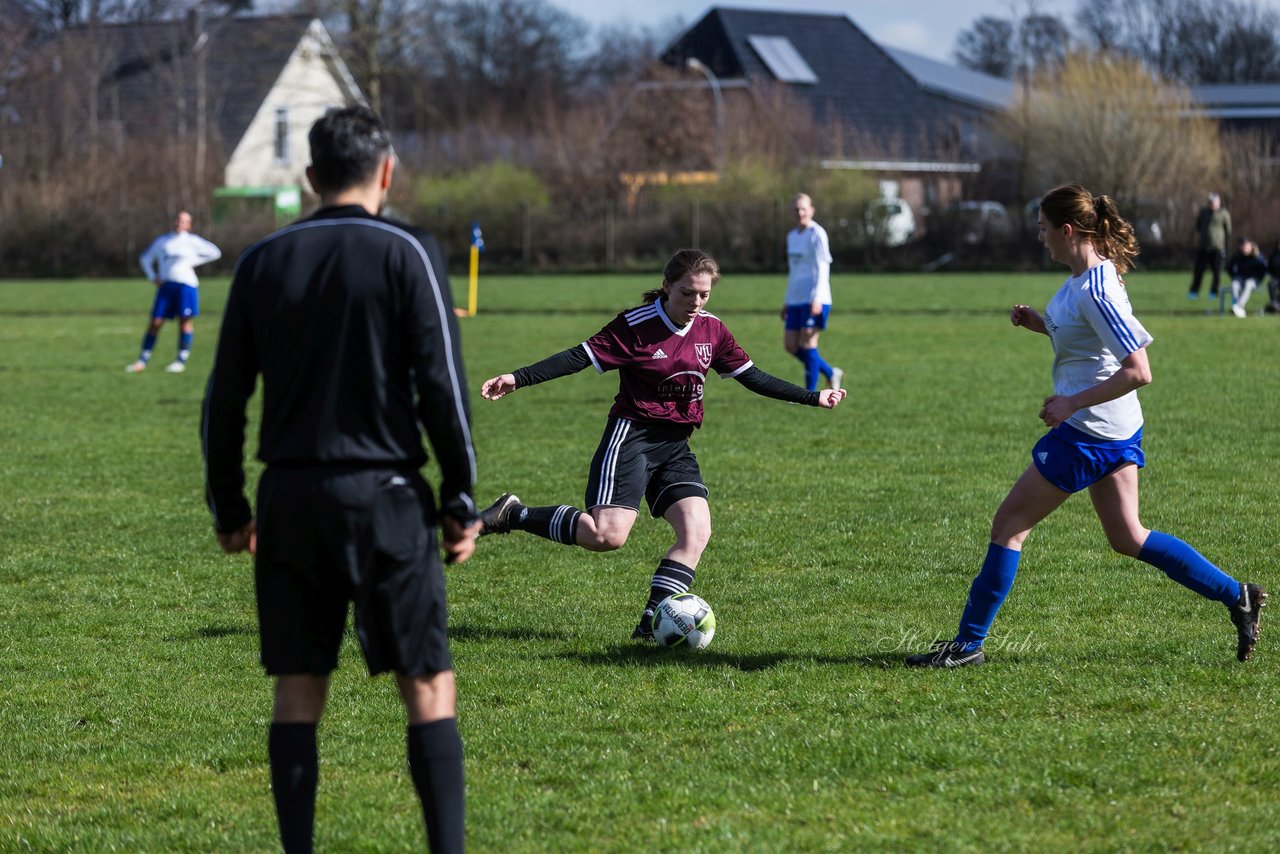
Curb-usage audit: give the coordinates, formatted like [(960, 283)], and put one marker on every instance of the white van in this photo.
[(890, 222)]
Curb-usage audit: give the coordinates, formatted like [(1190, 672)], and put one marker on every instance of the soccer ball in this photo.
[(684, 620)]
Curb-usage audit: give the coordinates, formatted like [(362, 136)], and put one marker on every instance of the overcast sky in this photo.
[(927, 27)]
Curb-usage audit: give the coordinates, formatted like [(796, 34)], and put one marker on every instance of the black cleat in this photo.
[(1246, 614), (644, 629), (496, 518), (947, 654)]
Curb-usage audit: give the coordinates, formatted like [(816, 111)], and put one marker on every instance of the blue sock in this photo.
[(184, 345), (148, 344), (1189, 568), (823, 367), (810, 359), (987, 594)]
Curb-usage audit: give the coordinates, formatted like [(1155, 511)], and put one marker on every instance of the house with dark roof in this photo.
[(900, 115), (247, 89)]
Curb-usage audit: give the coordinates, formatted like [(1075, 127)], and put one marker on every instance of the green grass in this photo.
[(133, 713)]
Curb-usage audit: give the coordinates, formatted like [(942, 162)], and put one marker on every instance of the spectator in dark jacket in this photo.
[(1247, 269)]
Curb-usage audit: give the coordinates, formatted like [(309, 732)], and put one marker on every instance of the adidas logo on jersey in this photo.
[(659, 354), (1043, 456)]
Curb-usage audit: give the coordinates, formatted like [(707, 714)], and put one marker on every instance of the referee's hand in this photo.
[(244, 539), (459, 542)]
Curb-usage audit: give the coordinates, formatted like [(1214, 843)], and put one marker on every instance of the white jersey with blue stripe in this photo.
[(1093, 330), (173, 257), (809, 266)]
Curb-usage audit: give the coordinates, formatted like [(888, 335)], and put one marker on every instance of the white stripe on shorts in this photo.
[(609, 465)]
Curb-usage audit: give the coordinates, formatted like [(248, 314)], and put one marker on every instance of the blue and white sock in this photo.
[(148, 344), (987, 593), (184, 346), (1189, 568)]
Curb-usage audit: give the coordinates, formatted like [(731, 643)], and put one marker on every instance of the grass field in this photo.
[(1112, 714)]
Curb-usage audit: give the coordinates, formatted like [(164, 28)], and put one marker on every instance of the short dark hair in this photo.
[(347, 147)]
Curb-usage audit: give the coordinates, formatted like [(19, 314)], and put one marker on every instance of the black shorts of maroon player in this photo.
[(638, 458), (331, 536)]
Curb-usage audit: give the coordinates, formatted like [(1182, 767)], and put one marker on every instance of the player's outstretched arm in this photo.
[(499, 386)]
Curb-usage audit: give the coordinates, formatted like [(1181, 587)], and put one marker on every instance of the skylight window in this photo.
[(782, 59)]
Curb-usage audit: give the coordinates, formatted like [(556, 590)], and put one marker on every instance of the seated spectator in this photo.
[(1273, 281), (1247, 268)]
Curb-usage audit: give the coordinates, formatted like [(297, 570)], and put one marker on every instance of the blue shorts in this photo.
[(802, 317), (174, 299), (1072, 459)]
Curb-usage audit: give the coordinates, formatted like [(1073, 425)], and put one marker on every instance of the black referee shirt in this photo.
[(349, 319)]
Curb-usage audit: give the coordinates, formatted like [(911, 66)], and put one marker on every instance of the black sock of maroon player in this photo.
[(435, 763), (669, 578), (559, 524), (291, 749)]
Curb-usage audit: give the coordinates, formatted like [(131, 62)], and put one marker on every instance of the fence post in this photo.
[(526, 235), (609, 234), (696, 226)]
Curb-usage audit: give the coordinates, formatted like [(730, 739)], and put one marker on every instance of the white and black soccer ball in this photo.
[(684, 620)]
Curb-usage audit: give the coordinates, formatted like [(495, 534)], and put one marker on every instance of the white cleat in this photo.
[(837, 377), (1238, 311), (136, 368), (176, 367)]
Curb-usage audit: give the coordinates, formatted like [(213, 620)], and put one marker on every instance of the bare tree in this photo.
[(987, 46), (1195, 41)]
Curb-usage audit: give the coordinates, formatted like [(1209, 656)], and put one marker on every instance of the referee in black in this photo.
[(348, 318)]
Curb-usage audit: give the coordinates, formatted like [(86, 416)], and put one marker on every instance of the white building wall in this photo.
[(305, 88)]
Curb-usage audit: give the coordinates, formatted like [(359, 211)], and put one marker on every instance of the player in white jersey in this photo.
[(808, 302), (1095, 440), (170, 262)]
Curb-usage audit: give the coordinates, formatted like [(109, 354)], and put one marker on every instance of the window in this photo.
[(783, 60), (281, 146)]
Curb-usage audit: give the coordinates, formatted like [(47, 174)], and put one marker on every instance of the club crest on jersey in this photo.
[(1043, 456), (703, 352)]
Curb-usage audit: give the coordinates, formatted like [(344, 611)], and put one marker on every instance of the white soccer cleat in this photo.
[(1238, 310), (135, 368), (837, 377), (176, 367)]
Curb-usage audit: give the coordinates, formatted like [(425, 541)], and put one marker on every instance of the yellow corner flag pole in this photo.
[(473, 291)]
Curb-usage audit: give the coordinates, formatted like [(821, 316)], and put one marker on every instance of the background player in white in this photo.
[(1095, 440), (170, 263), (808, 302), (662, 351)]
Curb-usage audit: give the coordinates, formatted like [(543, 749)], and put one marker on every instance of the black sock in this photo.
[(435, 762), (559, 524), (291, 747), (669, 578)]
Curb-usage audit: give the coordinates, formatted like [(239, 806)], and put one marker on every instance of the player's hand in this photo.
[(244, 539), (1057, 408), (498, 387), (459, 541), (1027, 317), (783, 314), (829, 398), (816, 309)]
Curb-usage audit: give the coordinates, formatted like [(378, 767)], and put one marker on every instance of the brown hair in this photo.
[(1094, 217), (684, 263)]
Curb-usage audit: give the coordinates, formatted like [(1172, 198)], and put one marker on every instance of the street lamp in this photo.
[(694, 63)]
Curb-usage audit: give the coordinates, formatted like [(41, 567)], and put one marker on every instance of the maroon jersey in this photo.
[(662, 368)]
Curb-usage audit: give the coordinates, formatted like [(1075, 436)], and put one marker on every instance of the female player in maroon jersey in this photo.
[(662, 351)]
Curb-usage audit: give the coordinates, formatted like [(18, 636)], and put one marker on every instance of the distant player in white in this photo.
[(808, 302), (170, 262), (1095, 440)]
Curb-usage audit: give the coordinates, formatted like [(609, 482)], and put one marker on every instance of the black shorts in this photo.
[(331, 536), (635, 459)]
